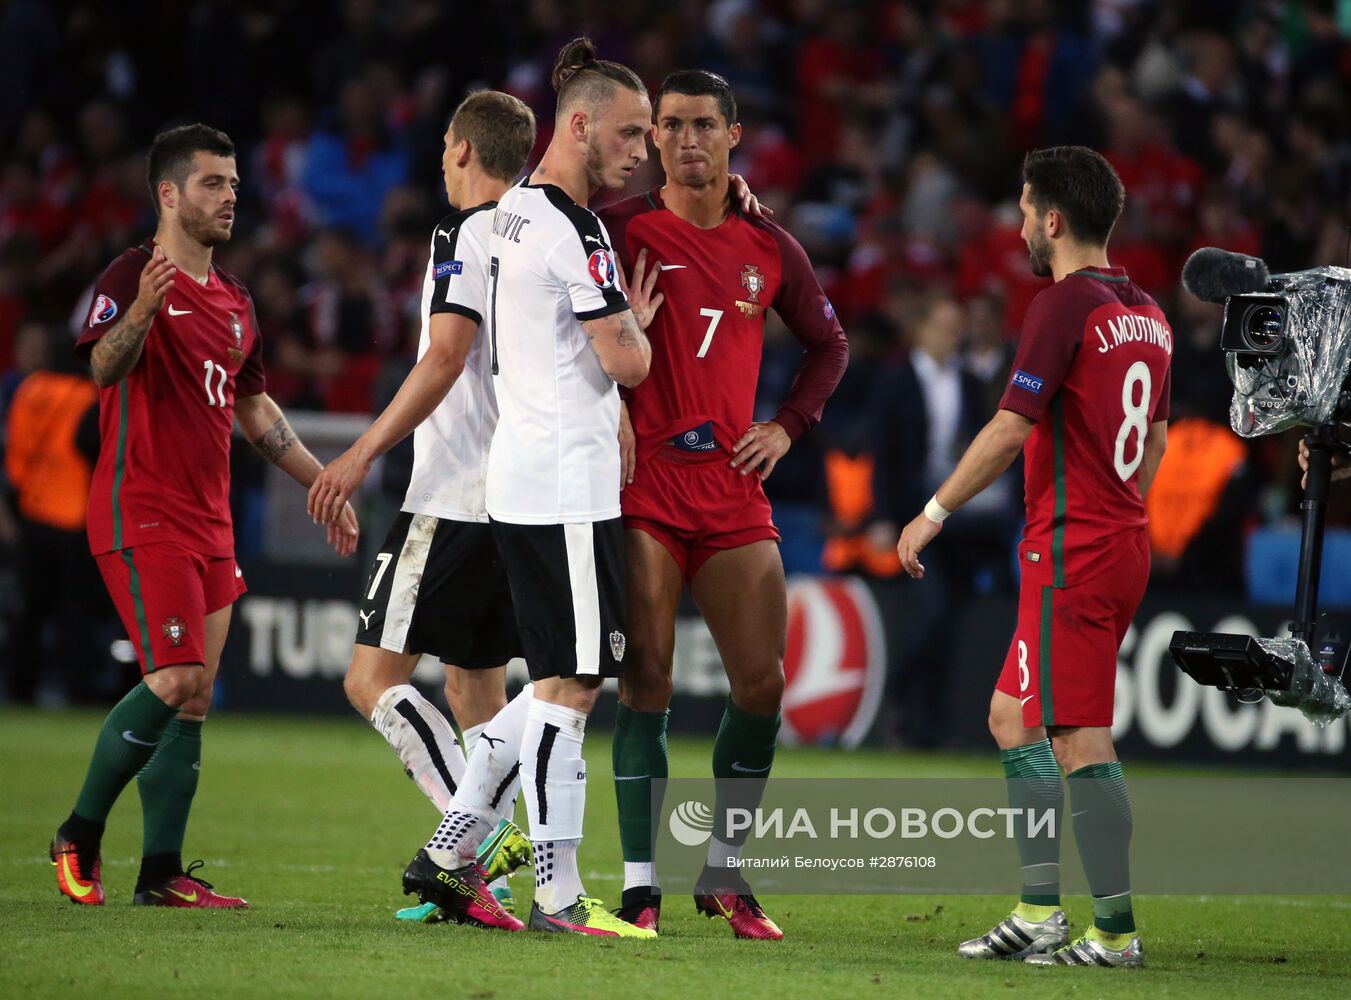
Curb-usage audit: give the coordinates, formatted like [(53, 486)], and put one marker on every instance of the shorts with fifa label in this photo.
[(439, 586), (697, 505), (1062, 662), (163, 593), (567, 584)]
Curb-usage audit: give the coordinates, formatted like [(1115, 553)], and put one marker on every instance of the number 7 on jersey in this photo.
[(713, 316)]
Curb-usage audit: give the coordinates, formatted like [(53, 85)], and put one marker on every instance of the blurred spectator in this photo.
[(926, 409), (351, 165), (350, 320), (52, 441)]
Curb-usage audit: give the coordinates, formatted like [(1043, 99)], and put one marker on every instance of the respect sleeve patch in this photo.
[(446, 268), (1031, 383)]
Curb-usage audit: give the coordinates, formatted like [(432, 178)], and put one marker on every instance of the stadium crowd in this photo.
[(886, 134)]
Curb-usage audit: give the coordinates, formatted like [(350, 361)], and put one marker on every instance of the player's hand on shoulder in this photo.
[(760, 448), (343, 535), (741, 195), (641, 300), (334, 486), (157, 277), (917, 534), (628, 446)]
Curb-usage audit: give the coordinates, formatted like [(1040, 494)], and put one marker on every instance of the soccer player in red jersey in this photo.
[(174, 347), (1087, 403), (694, 509)]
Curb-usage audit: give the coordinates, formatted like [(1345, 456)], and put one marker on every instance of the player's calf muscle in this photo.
[(370, 673)]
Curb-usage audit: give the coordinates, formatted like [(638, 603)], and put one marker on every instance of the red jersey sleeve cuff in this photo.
[(1029, 407), (794, 423)]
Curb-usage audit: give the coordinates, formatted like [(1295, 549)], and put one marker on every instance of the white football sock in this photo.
[(557, 884), (640, 874), (469, 737), (553, 777), (487, 789), (722, 855), (424, 741)]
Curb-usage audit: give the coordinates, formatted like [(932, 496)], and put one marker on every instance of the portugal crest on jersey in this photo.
[(237, 328), (175, 630), (753, 281)]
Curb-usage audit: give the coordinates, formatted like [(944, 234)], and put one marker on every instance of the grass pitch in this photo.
[(312, 821)]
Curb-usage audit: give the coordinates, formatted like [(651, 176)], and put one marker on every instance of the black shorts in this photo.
[(567, 583), (439, 587)]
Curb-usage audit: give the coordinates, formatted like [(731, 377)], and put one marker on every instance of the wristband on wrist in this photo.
[(935, 511)]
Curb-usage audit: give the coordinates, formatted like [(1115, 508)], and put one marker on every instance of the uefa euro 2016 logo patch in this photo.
[(103, 310), (602, 268), (1031, 383)]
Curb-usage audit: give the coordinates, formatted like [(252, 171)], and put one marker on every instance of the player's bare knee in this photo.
[(199, 704), (645, 690), (175, 685), (760, 694)]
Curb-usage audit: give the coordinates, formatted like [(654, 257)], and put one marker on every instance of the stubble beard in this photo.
[(1039, 256), (201, 227)]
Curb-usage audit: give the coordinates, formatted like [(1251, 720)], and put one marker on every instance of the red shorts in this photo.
[(697, 505), (163, 593), (1062, 662)]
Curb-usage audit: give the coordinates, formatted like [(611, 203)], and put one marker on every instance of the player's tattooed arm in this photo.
[(115, 353), (276, 441), (267, 429), (623, 349)]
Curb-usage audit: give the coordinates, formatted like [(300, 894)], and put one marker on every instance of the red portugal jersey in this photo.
[(1092, 369), (163, 471), (708, 334)]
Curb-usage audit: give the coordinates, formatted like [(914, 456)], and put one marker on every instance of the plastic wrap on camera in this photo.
[(1300, 384), (1319, 696)]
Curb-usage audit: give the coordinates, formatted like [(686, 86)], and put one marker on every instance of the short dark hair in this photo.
[(1079, 184), (578, 74), (170, 156), (699, 83), (501, 130)]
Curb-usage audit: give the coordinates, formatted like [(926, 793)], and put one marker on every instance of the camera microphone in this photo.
[(1213, 275)]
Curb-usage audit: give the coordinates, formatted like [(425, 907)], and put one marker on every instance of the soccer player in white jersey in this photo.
[(437, 585), (563, 334)]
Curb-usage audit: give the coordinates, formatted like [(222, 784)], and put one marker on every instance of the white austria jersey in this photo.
[(450, 447), (555, 456)]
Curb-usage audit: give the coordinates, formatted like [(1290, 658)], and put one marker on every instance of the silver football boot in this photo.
[(1088, 950), (1014, 937)]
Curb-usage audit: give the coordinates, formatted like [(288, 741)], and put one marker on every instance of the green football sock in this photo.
[(639, 755), (130, 734), (1034, 783), (167, 784), (743, 749), (1102, 828)]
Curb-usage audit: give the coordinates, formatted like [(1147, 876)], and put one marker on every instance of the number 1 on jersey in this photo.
[(492, 308), (714, 315)]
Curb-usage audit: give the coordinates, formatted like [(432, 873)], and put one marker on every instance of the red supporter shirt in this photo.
[(708, 334), (163, 472), (1092, 369)]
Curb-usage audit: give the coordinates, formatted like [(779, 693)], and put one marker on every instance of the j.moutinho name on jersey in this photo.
[(1132, 328)]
